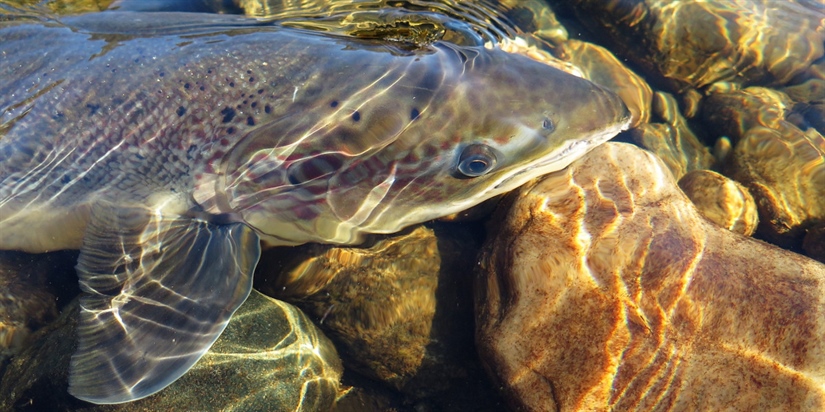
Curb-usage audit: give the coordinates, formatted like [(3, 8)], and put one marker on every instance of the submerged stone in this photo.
[(697, 43), (722, 200), (26, 300), (603, 289), (672, 140), (270, 357), (399, 310)]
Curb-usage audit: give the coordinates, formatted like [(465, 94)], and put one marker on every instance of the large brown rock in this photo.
[(399, 309), (603, 289)]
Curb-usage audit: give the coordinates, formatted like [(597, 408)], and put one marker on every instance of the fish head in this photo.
[(426, 139)]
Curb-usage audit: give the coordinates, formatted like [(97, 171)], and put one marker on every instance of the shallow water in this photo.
[(694, 73)]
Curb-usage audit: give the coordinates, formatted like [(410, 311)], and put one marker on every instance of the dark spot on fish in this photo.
[(230, 130), (414, 114), (186, 86), (334, 103), (231, 84), (228, 114), (356, 116), (65, 179), (93, 108), (137, 60), (252, 80), (254, 104), (202, 88), (267, 109), (260, 91), (209, 71), (181, 110), (190, 153), (139, 156), (250, 121), (161, 74)]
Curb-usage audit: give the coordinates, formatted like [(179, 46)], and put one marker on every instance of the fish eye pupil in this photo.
[(477, 165), (476, 160)]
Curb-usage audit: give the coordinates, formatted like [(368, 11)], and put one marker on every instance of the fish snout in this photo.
[(600, 109)]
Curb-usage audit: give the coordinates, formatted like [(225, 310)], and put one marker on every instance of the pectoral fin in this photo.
[(158, 292)]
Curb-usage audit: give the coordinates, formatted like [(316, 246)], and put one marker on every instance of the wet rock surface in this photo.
[(672, 139), (721, 200), (603, 289), (28, 297), (270, 357), (399, 310), (694, 44), (782, 165)]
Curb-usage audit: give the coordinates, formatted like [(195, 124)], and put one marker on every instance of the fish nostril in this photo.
[(626, 114), (548, 125)]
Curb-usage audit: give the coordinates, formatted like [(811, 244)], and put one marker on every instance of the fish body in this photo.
[(167, 146)]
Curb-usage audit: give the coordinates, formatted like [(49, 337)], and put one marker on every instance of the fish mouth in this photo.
[(564, 155)]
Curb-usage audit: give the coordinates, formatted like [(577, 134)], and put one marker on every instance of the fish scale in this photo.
[(168, 147)]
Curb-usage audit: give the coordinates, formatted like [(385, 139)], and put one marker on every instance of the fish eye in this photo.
[(476, 160)]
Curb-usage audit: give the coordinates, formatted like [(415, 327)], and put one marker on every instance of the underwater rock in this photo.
[(673, 141), (27, 302), (733, 113), (603, 289), (399, 309), (697, 43), (533, 16), (782, 165), (784, 169), (721, 200), (270, 357), (814, 243)]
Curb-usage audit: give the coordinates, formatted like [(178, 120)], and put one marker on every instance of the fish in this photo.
[(169, 148)]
